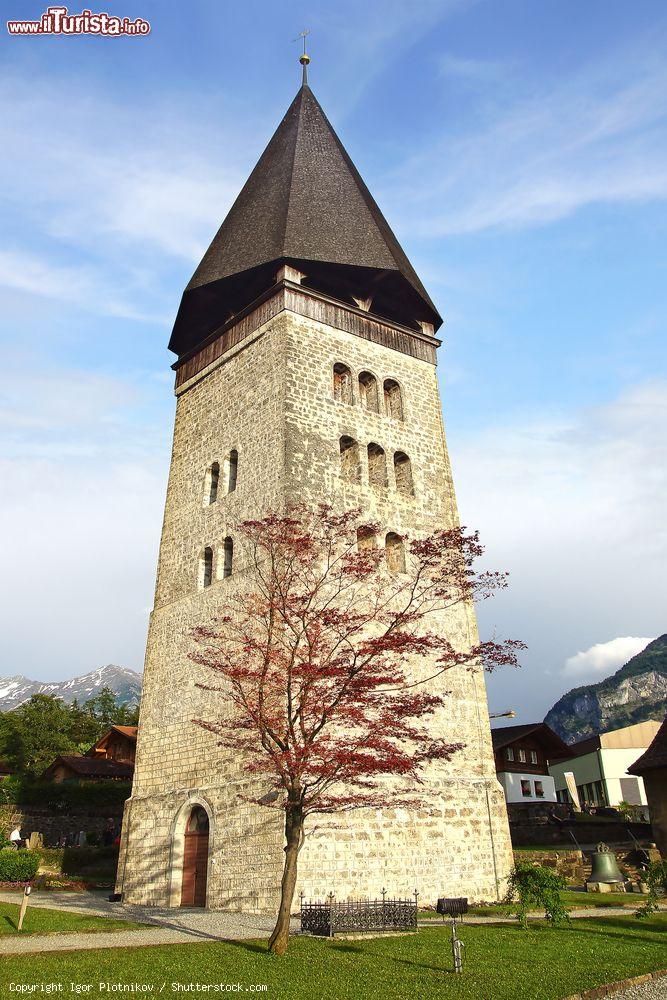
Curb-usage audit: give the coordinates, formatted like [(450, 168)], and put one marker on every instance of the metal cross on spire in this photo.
[(304, 58)]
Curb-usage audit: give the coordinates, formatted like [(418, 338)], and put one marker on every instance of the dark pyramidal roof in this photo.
[(304, 204)]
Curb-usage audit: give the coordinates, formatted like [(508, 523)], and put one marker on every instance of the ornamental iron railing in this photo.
[(358, 916)]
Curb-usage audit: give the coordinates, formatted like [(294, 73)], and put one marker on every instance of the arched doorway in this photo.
[(195, 859)]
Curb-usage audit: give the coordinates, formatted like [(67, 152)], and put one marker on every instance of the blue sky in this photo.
[(519, 150)]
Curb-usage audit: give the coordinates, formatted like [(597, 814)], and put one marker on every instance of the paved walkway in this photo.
[(176, 925), (164, 926)]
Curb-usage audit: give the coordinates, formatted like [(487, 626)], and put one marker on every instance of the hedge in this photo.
[(64, 797), (18, 866)]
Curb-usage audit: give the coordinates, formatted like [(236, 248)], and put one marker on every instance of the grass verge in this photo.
[(502, 962), (40, 920), (572, 900)]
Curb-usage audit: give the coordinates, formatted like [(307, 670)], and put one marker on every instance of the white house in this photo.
[(600, 766)]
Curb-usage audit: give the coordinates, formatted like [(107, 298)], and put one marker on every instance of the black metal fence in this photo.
[(359, 916)]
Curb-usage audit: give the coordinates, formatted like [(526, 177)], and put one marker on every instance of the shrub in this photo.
[(535, 887), (18, 866), (656, 878)]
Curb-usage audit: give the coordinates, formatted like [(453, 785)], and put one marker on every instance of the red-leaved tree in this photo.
[(320, 654)]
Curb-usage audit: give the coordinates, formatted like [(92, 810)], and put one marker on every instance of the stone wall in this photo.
[(270, 398), (53, 825)]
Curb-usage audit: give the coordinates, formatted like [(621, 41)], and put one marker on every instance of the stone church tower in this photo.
[(306, 371)]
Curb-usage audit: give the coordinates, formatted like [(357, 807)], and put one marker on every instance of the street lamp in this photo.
[(509, 714)]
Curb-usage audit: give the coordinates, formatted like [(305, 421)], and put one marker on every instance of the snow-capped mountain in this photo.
[(125, 684)]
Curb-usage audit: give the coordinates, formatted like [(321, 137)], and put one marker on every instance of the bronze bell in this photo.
[(605, 868)]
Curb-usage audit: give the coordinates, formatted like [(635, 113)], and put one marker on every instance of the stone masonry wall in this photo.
[(271, 399)]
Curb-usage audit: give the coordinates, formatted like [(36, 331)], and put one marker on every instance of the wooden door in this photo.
[(195, 859)]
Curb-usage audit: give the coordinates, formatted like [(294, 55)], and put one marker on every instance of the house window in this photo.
[(228, 551), (522, 756), (394, 553), (509, 753), (211, 485), (206, 568), (377, 467), (368, 392), (342, 383), (533, 756), (525, 789), (393, 403), (349, 460), (231, 470), (366, 538), (539, 790), (403, 474)]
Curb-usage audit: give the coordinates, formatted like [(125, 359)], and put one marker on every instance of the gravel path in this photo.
[(655, 989)]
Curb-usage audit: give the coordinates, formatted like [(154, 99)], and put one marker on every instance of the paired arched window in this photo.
[(403, 474), (350, 469), (230, 473), (394, 553), (377, 467), (393, 401), (228, 557), (206, 568), (342, 383), (366, 538), (231, 470), (211, 483), (368, 392)]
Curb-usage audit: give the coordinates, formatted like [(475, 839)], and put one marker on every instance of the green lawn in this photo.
[(40, 920), (503, 962)]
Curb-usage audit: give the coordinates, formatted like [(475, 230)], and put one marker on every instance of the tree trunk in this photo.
[(293, 829)]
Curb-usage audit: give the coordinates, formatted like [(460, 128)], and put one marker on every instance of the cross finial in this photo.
[(304, 58)]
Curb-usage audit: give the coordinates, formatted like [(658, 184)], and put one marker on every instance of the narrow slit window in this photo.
[(342, 383), (228, 558), (394, 553), (349, 460), (212, 479), (377, 467), (366, 538), (368, 392), (393, 401), (206, 568), (403, 474), (232, 470)]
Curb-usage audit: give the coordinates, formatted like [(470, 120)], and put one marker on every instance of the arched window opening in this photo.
[(231, 469), (206, 568), (366, 538), (394, 553), (377, 467), (393, 401), (349, 460), (211, 486), (228, 553), (368, 392), (403, 474), (342, 383)]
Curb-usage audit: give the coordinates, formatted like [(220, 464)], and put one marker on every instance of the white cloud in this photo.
[(83, 478), (596, 136), (573, 506), (604, 658)]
